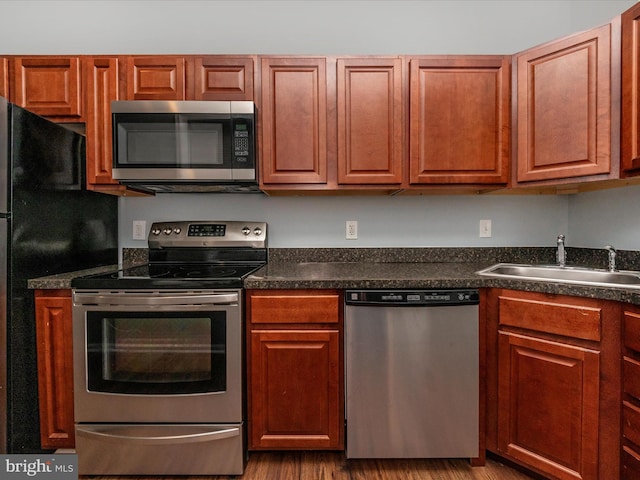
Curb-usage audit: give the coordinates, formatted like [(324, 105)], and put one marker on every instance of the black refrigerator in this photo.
[(49, 223)]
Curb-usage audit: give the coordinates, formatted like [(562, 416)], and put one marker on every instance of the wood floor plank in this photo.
[(319, 465)]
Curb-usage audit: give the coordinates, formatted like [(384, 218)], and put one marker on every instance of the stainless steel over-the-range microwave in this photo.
[(185, 145)]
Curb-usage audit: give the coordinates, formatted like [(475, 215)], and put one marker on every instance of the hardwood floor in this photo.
[(334, 466)]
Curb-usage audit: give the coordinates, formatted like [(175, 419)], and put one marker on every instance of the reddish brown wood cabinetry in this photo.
[(460, 120), (553, 373), (221, 78), (101, 84), (630, 138), (156, 78), (630, 467), (293, 121), (49, 86), (567, 100), (295, 369), (53, 309), (4, 77), (370, 121)]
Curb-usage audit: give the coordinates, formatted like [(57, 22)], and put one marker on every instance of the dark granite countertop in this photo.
[(388, 268)]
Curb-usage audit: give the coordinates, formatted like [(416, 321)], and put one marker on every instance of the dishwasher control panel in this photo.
[(412, 297)]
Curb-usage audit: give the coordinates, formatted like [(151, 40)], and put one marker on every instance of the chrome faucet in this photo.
[(561, 256), (612, 258)]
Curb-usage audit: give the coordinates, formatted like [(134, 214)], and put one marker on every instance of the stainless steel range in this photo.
[(158, 354)]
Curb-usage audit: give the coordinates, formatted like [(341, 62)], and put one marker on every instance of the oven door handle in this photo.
[(160, 299), (103, 434)]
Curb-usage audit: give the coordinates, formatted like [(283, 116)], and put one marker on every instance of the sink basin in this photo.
[(554, 273)]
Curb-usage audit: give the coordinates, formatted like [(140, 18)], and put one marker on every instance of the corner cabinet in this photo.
[(55, 368), (295, 369), (567, 103), (460, 120), (553, 383)]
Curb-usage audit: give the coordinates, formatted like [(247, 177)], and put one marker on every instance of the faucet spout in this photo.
[(561, 256), (612, 258)]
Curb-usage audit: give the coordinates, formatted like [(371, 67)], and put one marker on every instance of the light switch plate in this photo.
[(485, 228), (139, 230)]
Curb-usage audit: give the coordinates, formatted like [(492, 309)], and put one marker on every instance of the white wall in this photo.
[(339, 27)]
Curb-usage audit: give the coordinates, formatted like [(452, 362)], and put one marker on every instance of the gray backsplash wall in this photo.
[(342, 27)]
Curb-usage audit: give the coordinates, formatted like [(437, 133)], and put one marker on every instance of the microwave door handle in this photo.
[(155, 299), (199, 437)]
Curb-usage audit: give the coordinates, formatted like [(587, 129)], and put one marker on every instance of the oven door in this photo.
[(157, 356)]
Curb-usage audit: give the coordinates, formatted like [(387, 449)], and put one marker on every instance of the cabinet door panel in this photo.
[(294, 121), (55, 371), (295, 389), (49, 86), (156, 78), (564, 106), (223, 78), (630, 139), (549, 405), (298, 308), (102, 88), (459, 120), (370, 124)]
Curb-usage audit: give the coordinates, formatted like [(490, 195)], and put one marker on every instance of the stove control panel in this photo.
[(208, 234)]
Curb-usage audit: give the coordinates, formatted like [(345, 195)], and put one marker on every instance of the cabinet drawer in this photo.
[(630, 464), (313, 308), (575, 321), (631, 377), (631, 422), (632, 331)]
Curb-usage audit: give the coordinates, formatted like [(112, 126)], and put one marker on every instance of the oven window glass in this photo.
[(161, 353), (172, 140)]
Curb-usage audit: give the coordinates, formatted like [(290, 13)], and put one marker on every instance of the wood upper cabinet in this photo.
[(459, 120), (295, 369), (156, 78), (293, 121), (553, 376), (49, 86), (220, 77), (4, 77), (101, 80), (214, 77), (53, 309), (370, 120), (567, 101), (630, 138)]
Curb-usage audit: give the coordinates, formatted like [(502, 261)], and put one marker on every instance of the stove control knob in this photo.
[(167, 231), (257, 231), (246, 230), (177, 230), (156, 231)]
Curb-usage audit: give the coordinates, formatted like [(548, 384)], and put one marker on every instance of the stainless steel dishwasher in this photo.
[(412, 373)]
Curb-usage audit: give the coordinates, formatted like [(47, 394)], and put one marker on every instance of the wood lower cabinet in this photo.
[(553, 374), (55, 368), (630, 460), (460, 120), (295, 369), (567, 103)]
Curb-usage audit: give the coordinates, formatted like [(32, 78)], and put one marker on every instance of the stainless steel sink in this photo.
[(554, 273)]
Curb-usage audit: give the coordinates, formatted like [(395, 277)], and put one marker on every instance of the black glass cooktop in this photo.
[(185, 276)]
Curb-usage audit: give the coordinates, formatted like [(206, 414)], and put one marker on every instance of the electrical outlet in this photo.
[(139, 230), (485, 228), (352, 229)]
